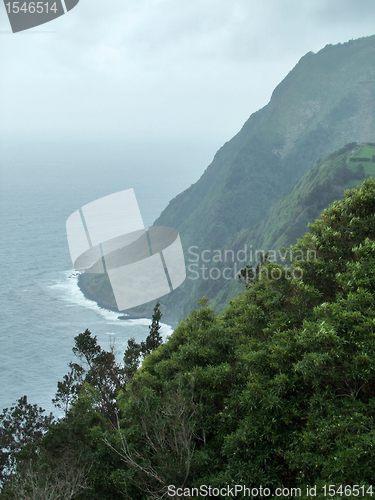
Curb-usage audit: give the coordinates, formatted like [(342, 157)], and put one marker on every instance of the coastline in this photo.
[(106, 300)]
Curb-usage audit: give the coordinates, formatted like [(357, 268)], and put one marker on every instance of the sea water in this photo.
[(42, 308)]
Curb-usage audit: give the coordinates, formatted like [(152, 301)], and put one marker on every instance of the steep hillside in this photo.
[(325, 102)]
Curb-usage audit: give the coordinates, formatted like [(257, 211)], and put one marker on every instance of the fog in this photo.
[(155, 82)]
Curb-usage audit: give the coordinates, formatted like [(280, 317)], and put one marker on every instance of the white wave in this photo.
[(70, 292), (139, 321), (166, 330)]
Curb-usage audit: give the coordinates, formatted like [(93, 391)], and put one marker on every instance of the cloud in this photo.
[(162, 69), (337, 12)]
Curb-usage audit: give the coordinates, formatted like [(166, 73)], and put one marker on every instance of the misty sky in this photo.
[(186, 72)]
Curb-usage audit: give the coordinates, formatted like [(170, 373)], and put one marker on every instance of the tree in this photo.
[(68, 390), (154, 338), (22, 428), (158, 450), (100, 371), (131, 358), (61, 478), (134, 350)]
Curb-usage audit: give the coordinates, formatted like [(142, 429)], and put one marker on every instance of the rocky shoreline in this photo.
[(108, 302)]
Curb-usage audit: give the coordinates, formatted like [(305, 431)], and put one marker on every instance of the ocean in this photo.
[(42, 308)]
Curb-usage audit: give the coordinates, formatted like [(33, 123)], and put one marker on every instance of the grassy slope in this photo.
[(324, 183)]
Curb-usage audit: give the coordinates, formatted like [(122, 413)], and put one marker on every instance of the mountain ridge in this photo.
[(325, 101)]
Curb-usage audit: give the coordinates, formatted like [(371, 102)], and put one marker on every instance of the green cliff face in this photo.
[(325, 102), (318, 187)]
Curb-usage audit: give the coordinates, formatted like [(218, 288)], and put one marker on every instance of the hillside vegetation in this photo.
[(325, 102), (277, 391)]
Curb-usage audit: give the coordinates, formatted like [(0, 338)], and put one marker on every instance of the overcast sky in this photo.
[(160, 71)]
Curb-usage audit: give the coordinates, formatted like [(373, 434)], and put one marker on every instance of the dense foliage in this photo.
[(278, 390)]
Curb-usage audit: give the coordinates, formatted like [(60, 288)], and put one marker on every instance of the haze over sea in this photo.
[(42, 308)]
